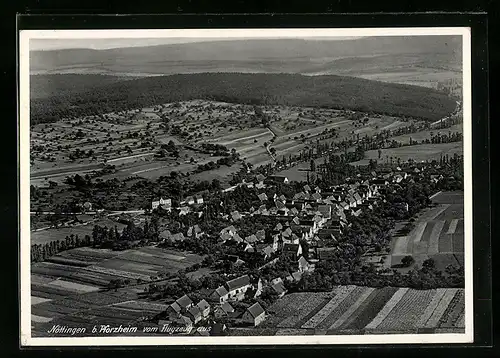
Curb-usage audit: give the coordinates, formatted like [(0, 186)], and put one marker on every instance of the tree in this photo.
[(429, 264), (313, 165), (407, 261)]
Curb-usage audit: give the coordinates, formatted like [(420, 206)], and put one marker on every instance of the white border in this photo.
[(24, 160)]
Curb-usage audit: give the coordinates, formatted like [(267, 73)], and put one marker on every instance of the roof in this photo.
[(202, 305), (307, 188), (256, 310), (262, 196), (221, 291), (195, 311), (278, 227), (251, 238), (175, 307), (302, 261), (278, 287), (238, 282), (297, 275), (260, 177), (227, 229), (226, 307), (184, 301), (291, 247), (237, 238), (261, 234)]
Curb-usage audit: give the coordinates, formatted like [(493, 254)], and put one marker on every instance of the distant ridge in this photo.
[(258, 89), (295, 55)]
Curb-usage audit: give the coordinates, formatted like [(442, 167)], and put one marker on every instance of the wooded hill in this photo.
[(331, 91)]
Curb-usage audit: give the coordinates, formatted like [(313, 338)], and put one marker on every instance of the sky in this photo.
[(103, 43)]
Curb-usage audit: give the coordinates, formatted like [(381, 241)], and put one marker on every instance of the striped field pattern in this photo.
[(348, 309)]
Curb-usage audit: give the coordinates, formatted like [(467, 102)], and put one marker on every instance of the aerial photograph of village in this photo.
[(246, 186)]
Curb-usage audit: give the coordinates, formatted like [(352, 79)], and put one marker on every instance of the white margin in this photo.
[(24, 167)]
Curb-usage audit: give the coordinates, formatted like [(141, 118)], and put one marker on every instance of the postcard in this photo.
[(246, 186)]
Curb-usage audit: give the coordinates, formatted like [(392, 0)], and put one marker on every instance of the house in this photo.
[(251, 239), (237, 287), (326, 211), (184, 210), (235, 215), (194, 314), (264, 249), (260, 185), (219, 295), (260, 178), (87, 206), (278, 227), (198, 199), (230, 230), (276, 179), (344, 205), (237, 238), (188, 201), (204, 308), (223, 310), (316, 196), (194, 231), (278, 287), (303, 264), (261, 235), (358, 198), (163, 203), (185, 303), (173, 311), (307, 188), (177, 237), (254, 314), (292, 250), (262, 197)]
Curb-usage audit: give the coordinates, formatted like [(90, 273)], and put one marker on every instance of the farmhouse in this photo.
[(163, 203), (278, 287), (220, 295), (185, 303), (292, 250), (194, 314), (303, 264), (262, 197), (204, 308), (237, 287), (254, 314), (223, 310)]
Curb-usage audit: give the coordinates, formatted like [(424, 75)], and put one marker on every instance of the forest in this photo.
[(336, 92)]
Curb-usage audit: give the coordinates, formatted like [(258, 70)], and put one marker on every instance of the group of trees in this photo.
[(131, 236), (41, 252), (254, 89)]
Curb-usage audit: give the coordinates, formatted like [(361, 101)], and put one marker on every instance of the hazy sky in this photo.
[(101, 44)]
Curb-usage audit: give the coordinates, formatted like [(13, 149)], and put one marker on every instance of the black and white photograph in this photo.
[(246, 186)]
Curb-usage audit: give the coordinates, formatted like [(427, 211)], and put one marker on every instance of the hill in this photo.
[(43, 86), (263, 55), (261, 89)]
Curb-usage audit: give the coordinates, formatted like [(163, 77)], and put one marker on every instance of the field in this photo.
[(74, 281), (423, 135), (361, 310), (438, 234), (419, 153)]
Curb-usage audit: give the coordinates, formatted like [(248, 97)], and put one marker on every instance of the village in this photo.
[(313, 219)]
